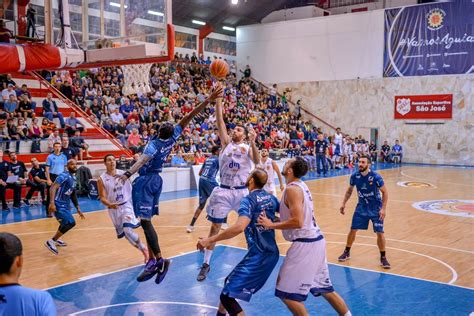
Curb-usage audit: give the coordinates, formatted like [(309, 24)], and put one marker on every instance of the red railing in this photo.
[(78, 110), (292, 103)]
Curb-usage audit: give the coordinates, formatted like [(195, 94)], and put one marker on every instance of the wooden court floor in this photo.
[(420, 244)]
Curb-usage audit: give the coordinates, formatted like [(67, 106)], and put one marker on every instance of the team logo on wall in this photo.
[(435, 19), (461, 208), (403, 106), (415, 184)]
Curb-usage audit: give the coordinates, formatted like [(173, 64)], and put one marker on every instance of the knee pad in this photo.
[(230, 304), (63, 228)]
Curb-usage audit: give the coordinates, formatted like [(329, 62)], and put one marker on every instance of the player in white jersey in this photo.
[(270, 166), (235, 164), (117, 196), (305, 268), (338, 137)]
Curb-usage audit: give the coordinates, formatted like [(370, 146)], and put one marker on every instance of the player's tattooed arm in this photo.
[(346, 198)]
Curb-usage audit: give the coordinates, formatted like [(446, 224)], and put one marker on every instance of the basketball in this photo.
[(219, 69)]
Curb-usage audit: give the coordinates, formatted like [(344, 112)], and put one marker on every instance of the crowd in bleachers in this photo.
[(176, 88)]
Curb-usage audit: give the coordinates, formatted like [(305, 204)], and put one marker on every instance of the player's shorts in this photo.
[(123, 216), (304, 271), (205, 189), (250, 274), (222, 201), (146, 191), (270, 188), (361, 218), (64, 214)]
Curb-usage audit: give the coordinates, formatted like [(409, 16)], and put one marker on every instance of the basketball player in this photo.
[(371, 207), (62, 192), (235, 163), (253, 270), (207, 183), (146, 188), (305, 269), (117, 196), (270, 166)]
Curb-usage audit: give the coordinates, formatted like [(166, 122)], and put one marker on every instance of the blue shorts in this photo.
[(250, 274), (360, 220), (146, 191), (205, 190), (64, 214)]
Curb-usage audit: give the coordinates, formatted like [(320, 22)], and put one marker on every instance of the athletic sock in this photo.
[(348, 313), (207, 255), (193, 221), (348, 249), (382, 254)]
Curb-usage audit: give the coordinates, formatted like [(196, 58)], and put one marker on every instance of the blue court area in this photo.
[(366, 293), (37, 211)]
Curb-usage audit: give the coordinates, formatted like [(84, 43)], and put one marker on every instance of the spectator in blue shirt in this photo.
[(73, 125), (397, 151), (178, 160), (126, 108), (10, 106), (14, 298)]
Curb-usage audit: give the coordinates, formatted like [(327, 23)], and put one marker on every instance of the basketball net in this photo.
[(136, 78)]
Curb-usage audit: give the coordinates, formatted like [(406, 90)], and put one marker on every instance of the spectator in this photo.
[(37, 182), (397, 152), (373, 152), (73, 124), (66, 90), (5, 34), (199, 159), (18, 300), (79, 144), (178, 160), (24, 91), (50, 110), (385, 152), (47, 127), (247, 72), (14, 134), (116, 116), (30, 21), (10, 90), (18, 170), (5, 172), (35, 131), (25, 108), (67, 150), (53, 138), (10, 106), (134, 142), (123, 163)]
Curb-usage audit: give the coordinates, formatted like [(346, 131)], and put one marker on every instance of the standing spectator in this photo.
[(38, 181), (55, 165), (66, 90), (373, 151), (18, 169), (30, 21), (50, 110), (247, 72), (397, 152), (73, 124), (5, 172), (385, 152), (321, 149), (16, 299)]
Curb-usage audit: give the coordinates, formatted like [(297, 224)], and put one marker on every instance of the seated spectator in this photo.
[(11, 106), (199, 159), (121, 132), (24, 91), (132, 125), (47, 127), (17, 169), (51, 110), (385, 152), (397, 152), (68, 151), (373, 152), (35, 130), (5, 34), (66, 90), (73, 124), (53, 138), (178, 160), (13, 134), (123, 163), (134, 142), (116, 116), (16, 299), (37, 182), (22, 128), (79, 144)]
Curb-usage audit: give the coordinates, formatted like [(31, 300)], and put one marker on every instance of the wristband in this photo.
[(128, 174)]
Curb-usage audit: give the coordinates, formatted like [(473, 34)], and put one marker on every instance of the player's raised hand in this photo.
[(252, 135), (216, 92), (202, 243), (342, 209)]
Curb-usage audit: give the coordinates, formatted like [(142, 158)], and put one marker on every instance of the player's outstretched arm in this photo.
[(215, 93), (294, 200), (280, 178), (346, 198), (136, 166), (254, 152), (223, 136)]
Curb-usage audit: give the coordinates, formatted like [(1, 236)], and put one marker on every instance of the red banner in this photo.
[(437, 106)]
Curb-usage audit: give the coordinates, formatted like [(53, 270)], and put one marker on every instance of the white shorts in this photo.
[(304, 270), (222, 201), (123, 216), (270, 188)]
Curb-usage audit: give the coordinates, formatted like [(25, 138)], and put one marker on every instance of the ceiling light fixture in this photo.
[(117, 5), (235, 1), (199, 22), (228, 28), (156, 13)]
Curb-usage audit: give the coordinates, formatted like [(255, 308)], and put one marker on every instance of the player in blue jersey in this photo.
[(252, 272), (146, 189), (62, 192), (207, 183), (370, 207)]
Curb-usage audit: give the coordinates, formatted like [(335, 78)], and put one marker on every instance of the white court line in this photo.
[(140, 303), (453, 272), (98, 228), (340, 195), (431, 180)]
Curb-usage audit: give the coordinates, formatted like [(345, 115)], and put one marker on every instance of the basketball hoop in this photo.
[(136, 78)]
